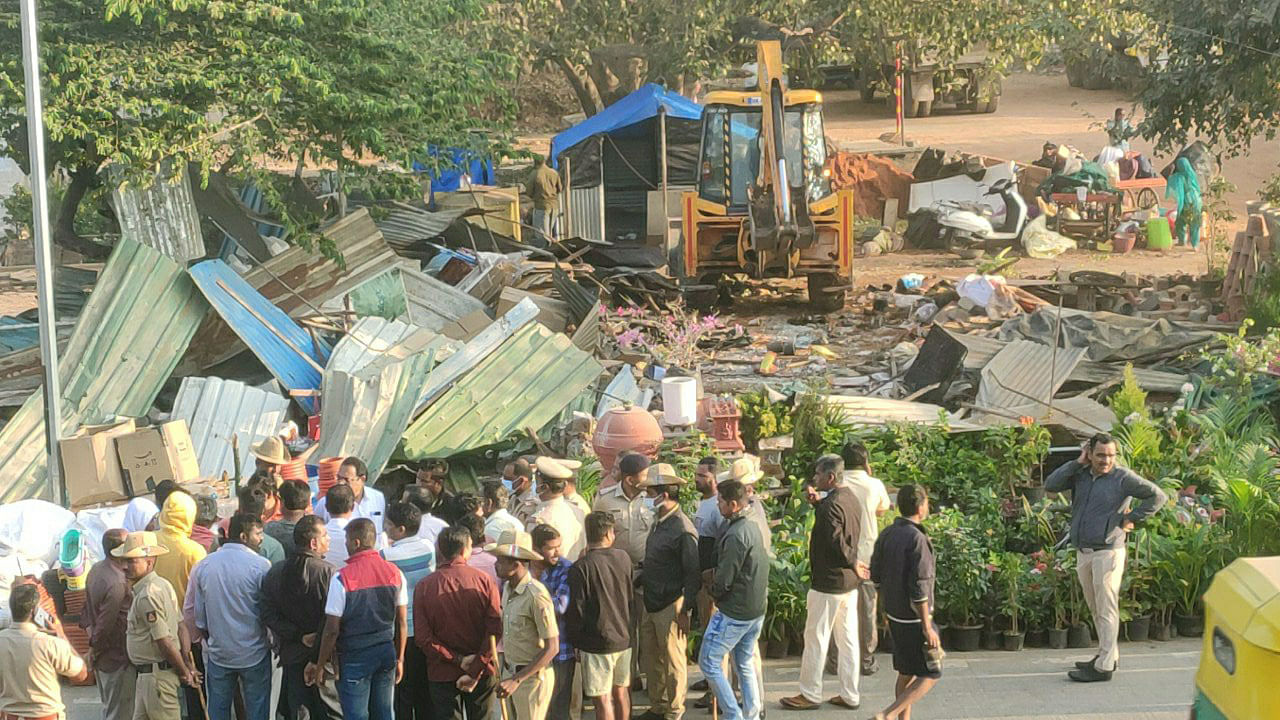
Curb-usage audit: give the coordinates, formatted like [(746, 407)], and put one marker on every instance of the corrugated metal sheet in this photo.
[(215, 409), (434, 304), (405, 226), (137, 323), (476, 350), (18, 334), (1081, 415), (862, 410), (297, 281), (982, 349), (161, 216), (288, 351), (1025, 372), (584, 213), (524, 383), (371, 386)]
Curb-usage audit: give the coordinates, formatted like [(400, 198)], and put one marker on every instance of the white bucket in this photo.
[(679, 400)]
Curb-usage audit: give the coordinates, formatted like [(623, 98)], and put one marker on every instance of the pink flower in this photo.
[(629, 338), (1040, 567), (991, 568)]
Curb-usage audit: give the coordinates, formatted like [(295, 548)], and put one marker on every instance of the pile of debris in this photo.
[(438, 333)]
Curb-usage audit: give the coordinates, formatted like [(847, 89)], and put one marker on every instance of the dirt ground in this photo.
[(1035, 108)]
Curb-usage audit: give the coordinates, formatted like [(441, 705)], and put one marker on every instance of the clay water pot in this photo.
[(625, 429)]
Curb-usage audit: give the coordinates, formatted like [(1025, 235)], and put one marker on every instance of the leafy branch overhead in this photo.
[(232, 86)]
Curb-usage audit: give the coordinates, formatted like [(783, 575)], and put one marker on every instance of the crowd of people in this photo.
[(515, 604)]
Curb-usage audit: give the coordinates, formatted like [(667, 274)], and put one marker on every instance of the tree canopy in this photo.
[(232, 85), (1221, 83)]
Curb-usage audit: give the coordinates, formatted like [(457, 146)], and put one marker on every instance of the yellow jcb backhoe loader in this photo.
[(764, 204)]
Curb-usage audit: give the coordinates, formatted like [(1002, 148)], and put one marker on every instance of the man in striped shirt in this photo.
[(416, 559)]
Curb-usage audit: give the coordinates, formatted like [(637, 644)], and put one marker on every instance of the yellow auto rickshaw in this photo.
[(1240, 659)]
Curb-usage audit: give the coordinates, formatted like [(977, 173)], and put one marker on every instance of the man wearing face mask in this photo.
[(670, 578), (1101, 520), (632, 519), (555, 510), (517, 478)]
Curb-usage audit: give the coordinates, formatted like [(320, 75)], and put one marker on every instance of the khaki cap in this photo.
[(660, 475), (140, 545), (550, 467), (271, 450), (745, 470), (516, 544)]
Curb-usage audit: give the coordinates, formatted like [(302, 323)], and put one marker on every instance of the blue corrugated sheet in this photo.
[(281, 344), (136, 325)]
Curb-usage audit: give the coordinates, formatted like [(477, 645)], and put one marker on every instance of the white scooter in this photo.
[(967, 227)]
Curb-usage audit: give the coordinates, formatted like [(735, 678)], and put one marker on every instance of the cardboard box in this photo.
[(91, 464), (157, 453)]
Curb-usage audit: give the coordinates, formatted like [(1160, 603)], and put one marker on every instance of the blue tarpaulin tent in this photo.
[(463, 162), (613, 160), (643, 104)]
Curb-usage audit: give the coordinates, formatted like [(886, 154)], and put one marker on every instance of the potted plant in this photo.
[(1020, 450), (1060, 583), (962, 579), (1078, 635), (1037, 607), (1010, 577)]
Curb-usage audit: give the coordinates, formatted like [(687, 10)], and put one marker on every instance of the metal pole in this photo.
[(662, 145), (898, 87), (39, 179)]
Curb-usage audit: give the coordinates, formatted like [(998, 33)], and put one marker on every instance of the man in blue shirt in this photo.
[(226, 589), (416, 559), (553, 572)]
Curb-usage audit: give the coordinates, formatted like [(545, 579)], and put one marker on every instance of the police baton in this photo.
[(497, 674)]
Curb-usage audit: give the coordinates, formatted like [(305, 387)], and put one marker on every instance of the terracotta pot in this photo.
[(329, 473), (294, 470), (622, 429)]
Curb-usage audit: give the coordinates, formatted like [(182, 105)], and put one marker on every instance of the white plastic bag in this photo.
[(1041, 242), (31, 529)]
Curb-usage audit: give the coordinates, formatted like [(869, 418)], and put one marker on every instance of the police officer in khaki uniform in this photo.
[(632, 520), (530, 637), (518, 478), (156, 640)]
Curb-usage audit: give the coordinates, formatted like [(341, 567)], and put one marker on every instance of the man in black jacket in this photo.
[(670, 578), (740, 589), (293, 598), (833, 592)]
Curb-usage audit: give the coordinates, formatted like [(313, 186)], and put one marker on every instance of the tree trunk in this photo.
[(64, 227), (583, 86)]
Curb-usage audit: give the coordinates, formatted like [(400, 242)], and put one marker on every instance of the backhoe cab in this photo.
[(764, 204)]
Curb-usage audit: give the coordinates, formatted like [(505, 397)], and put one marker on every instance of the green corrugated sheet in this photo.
[(137, 324), (526, 382)]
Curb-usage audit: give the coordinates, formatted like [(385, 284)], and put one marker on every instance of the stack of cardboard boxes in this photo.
[(115, 462)]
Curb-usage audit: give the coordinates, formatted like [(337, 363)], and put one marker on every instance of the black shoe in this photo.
[(1089, 675), (700, 686), (1086, 664), (870, 669), (703, 702)]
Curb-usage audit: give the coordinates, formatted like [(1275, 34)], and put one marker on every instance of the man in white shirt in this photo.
[(370, 503), (497, 519), (341, 512), (874, 499), (429, 526), (556, 511)]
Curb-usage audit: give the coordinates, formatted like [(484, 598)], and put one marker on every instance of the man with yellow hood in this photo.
[(176, 519)]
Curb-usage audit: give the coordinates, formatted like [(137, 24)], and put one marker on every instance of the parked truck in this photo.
[(971, 83)]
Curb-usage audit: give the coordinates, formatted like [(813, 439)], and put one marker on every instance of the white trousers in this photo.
[(1100, 572), (828, 614)]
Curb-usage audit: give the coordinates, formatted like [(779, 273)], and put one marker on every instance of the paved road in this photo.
[(1155, 683)]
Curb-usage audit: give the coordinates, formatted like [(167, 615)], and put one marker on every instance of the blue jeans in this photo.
[(725, 635), (367, 682), (254, 680)]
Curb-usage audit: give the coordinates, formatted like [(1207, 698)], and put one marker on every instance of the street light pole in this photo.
[(39, 179)]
